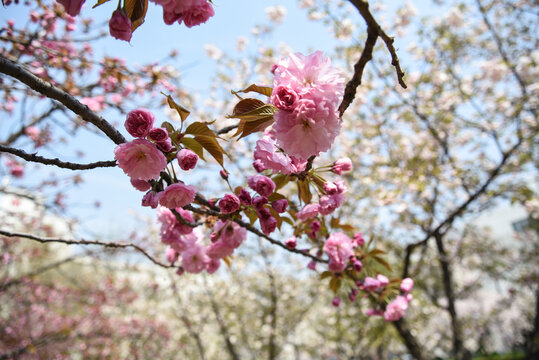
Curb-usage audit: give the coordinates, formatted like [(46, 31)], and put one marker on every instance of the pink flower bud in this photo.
[(158, 134), (280, 205), (312, 265), (151, 199), (139, 122), (336, 301), (258, 165), (315, 226), (342, 165), (140, 185), (261, 184), (224, 174), (245, 197), (172, 255), (358, 238), (407, 285), (291, 242), (382, 279), (374, 312), (259, 202), (308, 211), (187, 159), (371, 284), (358, 265), (72, 7), (120, 25), (180, 271), (229, 204), (165, 146)]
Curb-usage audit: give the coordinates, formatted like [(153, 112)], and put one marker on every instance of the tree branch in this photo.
[(253, 230), (86, 242), (374, 30), (56, 162), (18, 72)]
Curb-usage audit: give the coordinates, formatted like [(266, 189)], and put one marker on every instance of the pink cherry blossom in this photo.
[(229, 204), (311, 116), (187, 159), (284, 98), (291, 242), (308, 211), (245, 197), (213, 265), (261, 184), (178, 195), (171, 229), (374, 312), (120, 25), (230, 233), (151, 199), (219, 250), (191, 12), (171, 254), (72, 7), (280, 206), (382, 279), (396, 309), (140, 159), (339, 249), (194, 259), (407, 285), (158, 135), (140, 185), (371, 284), (139, 122), (270, 157), (342, 165)]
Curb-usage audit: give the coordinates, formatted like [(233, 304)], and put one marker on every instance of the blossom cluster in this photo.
[(307, 91), (190, 12)]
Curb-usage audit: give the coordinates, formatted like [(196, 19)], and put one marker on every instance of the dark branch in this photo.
[(56, 162), (18, 72), (86, 242)]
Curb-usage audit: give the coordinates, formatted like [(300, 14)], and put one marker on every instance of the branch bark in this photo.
[(18, 72), (45, 240), (56, 162)]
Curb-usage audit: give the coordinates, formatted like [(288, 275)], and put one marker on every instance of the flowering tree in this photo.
[(408, 152)]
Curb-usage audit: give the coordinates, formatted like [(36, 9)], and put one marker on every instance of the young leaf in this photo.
[(199, 128), (335, 284), (136, 11), (99, 2), (264, 90), (280, 180), (183, 112), (304, 191), (246, 128), (382, 261), (212, 146), (252, 109), (194, 145)]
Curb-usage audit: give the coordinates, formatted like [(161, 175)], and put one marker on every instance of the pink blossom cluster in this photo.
[(396, 309), (328, 203), (307, 91), (340, 249), (187, 242), (143, 160), (268, 156), (190, 12)]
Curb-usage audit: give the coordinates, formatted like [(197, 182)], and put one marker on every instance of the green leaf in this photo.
[(169, 127), (99, 2), (276, 196), (183, 112), (277, 217), (212, 146), (264, 90), (136, 12), (287, 220), (194, 145)]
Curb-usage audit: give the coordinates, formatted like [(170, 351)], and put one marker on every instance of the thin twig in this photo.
[(56, 162), (18, 72), (45, 240)]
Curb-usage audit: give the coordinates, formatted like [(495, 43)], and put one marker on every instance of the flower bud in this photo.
[(187, 159)]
